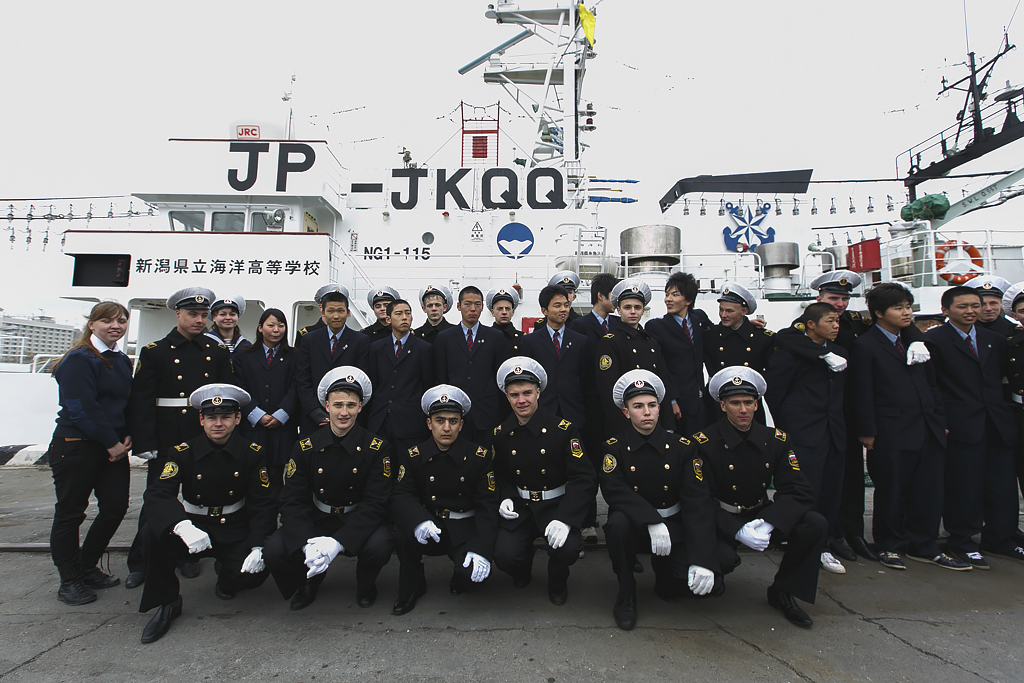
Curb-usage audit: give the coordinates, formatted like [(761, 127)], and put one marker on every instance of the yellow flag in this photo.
[(587, 21)]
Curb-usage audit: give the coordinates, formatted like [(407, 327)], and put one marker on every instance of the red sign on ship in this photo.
[(865, 256), (247, 132)]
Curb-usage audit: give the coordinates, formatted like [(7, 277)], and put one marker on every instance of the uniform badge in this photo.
[(306, 445), (611, 441), (609, 336), (697, 471), (264, 478), (700, 437), (256, 447), (151, 346), (217, 400), (801, 327), (767, 332), (497, 430), (564, 425), (170, 469), (854, 315), (181, 447), (792, 461), (387, 466), (401, 472), (780, 435), (683, 440), (376, 444), (303, 331), (609, 464), (413, 452), (481, 452), (605, 362), (490, 481), (290, 468), (577, 450)]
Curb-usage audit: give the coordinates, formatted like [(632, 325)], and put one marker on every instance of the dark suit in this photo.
[(271, 388), (980, 492), (398, 383), (567, 372), (316, 360), (474, 372), (428, 332), (685, 358), (900, 406)]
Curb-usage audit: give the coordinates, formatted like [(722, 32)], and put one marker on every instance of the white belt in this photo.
[(1017, 398), (172, 403), (452, 514), (737, 509), (542, 495), (212, 511), (324, 507), (668, 512)]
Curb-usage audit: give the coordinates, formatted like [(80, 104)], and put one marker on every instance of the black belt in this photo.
[(454, 514), (740, 509)]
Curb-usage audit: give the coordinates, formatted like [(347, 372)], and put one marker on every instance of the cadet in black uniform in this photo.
[(445, 501), (319, 299), (991, 288), (379, 300), (502, 302), (159, 415), (335, 498), (436, 300), (651, 479), (571, 282), (225, 510), (545, 482), (740, 458), (1013, 306)]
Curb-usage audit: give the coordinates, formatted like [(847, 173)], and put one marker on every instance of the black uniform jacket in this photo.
[(376, 331), (357, 471), (896, 403), (806, 397), (590, 326), (432, 482), (272, 389), (685, 360), (306, 330), (971, 385), (513, 338), (472, 371), (398, 383), (568, 372), (640, 476), (214, 477), (573, 315), (621, 350), (542, 455), (173, 367), (315, 360), (738, 470), (747, 345), (1002, 325), (1014, 365), (428, 332)]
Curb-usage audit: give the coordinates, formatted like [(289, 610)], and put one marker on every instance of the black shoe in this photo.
[(785, 602), (841, 549), (223, 593), (306, 594), (135, 579), (1016, 553), (459, 584), (891, 560), (95, 578), (189, 568), (366, 596), (558, 593), (406, 605), (625, 612), (638, 568), (74, 592), (976, 560), (161, 621), (943, 560), (861, 547)]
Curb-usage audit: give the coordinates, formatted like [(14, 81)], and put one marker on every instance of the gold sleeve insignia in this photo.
[(376, 444), (264, 478), (170, 469), (256, 447), (387, 466), (609, 464), (181, 447), (290, 468), (801, 327), (414, 451), (564, 425), (490, 481), (780, 435), (401, 472), (605, 362), (306, 444), (577, 450), (792, 461), (700, 437), (697, 471)]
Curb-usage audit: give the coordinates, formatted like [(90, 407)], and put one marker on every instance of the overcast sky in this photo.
[(92, 91)]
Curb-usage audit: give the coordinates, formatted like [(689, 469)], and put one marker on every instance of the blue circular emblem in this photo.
[(515, 240)]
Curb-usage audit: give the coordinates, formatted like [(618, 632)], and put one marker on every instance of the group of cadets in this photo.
[(475, 441)]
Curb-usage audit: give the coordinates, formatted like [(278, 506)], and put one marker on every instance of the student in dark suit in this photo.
[(266, 370), (401, 369), (980, 492), (468, 356), (564, 356), (601, 318), (325, 349), (680, 332), (569, 281), (900, 421), (322, 322)]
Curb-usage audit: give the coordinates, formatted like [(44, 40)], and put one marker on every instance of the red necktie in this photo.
[(558, 348), (971, 344), (686, 329), (604, 325), (899, 346), (398, 349), (469, 339), (270, 357), (334, 342)]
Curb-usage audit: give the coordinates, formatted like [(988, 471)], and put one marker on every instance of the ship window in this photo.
[(187, 221), (259, 221), (228, 222)]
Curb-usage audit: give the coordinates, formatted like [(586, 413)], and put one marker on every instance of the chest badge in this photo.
[(290, 468), (608, 466), (170, 470)]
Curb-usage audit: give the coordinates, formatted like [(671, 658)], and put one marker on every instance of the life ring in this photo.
[(958, 278)]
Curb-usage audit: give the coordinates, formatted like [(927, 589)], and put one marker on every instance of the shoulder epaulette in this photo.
[(868, 321), (684, 440), (854, 315), (181, 447), (306, 444), (497, 430), (564, 425), (800, 326), (780, 435), (303, 331), (376, 444), (767, 332), (256, 447), (222, 346), (610, 335), (151, 346), (612, 441), (700, 437), (481, 452), (414, 451)]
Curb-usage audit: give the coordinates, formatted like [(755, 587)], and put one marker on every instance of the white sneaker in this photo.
[(830, 564)]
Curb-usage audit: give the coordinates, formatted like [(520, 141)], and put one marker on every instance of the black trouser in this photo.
[(851, 504), (80, 468), (514, 550), (626, 539), (137, 553), (798, 571), (1019, 413), (411, 577), (981, 496), (289, 570), (823, 465), (164, 551), (908, 497)]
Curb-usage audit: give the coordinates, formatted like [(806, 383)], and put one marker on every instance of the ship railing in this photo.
[(743, 267), (912, 257), (821, 257)]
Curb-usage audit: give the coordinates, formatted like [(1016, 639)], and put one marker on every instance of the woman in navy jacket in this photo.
[(89, 451), (267, 371)]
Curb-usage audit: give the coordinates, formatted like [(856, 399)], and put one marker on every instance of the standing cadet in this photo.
[(502, 302), (740, 458), (991, 289), (681, 335), (545, 482), (224, 315), (324, 349), (468, 356), (900, 421), (335, 498), (1013, 306), (651, 479), (570, 281), (378, 301), (1013, 302), (980, 492), (225, 509), (628, 347), (401, 369), (436, 300), (159, 413), (318, 298), (445, 501)]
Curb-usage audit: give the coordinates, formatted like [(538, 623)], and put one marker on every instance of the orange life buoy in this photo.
[(957, 278)]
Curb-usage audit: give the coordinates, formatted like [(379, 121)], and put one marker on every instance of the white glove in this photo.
[(557, 532), (481, 567), (146, 455), (917, 352), (320, 552), (427, 530), (765, 529), (835, 362), (196, 540), (507, 509), (253, 563), (700, 580), (749, 536), (661, 542)]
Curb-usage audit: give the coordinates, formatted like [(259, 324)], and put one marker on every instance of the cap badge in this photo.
[(725, 290), (635, 289), (199, 298), (429, 287), (737, 381), (986, 285), (444, 398), (216, 400), (518, 370), (639, 384), (566, 279), (350, 378), (843, 281), (380, 292)]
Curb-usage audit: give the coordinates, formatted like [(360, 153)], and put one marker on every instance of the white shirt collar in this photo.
[(100, 346)]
